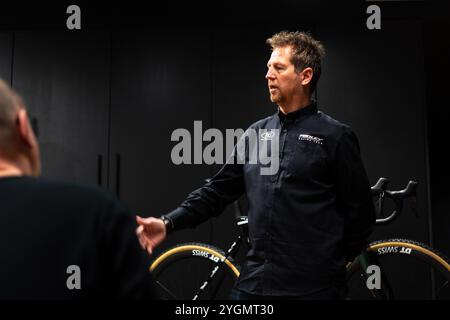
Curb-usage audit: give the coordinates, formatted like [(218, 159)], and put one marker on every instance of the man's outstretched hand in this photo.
[(150, 232)]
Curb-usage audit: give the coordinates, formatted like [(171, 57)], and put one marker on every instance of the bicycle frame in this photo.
[(230, 253)]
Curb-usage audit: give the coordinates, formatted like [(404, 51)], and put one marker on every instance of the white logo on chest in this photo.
[(267, 136), (307, 137)]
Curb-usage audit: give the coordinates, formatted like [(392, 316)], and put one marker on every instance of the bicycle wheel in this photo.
[(409, 270), (180, 271)]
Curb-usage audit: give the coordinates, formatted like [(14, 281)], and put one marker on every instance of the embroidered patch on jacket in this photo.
[(307, 137), (267, 136)]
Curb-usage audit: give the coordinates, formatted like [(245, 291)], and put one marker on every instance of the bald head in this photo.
[(10, 103), (19, 151)]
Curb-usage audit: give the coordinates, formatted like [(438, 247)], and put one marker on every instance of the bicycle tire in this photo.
[(395, 258), (201, 258)]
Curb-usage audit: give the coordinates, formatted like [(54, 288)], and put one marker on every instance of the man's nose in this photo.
[(270, 75)]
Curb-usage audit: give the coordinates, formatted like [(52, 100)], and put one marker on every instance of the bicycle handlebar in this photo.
[(409, 191), (380, 186), (379, 189)]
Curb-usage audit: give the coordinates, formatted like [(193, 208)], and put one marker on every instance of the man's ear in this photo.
[(24, 128), (307, 75)]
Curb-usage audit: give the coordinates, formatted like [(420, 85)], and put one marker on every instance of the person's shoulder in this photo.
[(336, 127), (332, 122), (70, 193), (262, 123)]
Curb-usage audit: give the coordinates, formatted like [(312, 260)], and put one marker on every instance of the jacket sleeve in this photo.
[(354, 197), (211, 199)]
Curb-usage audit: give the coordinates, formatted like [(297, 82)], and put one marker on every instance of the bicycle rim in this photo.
[(180, 272), (409, 270)]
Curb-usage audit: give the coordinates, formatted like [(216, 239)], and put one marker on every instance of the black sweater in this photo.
[(46, 227)]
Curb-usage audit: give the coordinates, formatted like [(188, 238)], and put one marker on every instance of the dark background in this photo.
[(108, 97)]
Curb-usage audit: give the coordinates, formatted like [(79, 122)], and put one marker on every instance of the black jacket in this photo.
[(306, 220)]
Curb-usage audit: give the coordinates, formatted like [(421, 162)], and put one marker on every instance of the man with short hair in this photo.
[(312, 216), (57, 240)]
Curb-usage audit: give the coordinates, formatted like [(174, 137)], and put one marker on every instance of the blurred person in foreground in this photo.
[(59, 240)]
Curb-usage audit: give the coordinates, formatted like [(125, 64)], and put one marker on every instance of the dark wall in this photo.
[(437, 53), (374, 81), (158, 85), (6, 46), (64, 80), (239, 95)]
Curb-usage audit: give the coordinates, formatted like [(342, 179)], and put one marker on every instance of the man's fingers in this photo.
[(141, 237), (140, 220), (142, 241), (144, 233), (146, 222)]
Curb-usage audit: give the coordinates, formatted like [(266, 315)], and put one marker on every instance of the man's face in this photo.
[(283, 81)]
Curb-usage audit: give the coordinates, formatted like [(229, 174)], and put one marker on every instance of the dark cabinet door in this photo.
[(6, 55), (374, 81), (64, 79), (160, 82)]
